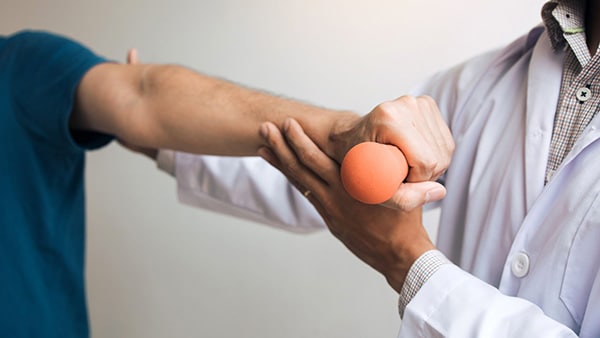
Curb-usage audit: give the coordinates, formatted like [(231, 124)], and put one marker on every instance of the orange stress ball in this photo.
[(372, 172)]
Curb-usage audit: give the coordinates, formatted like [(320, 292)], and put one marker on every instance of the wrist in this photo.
[(339, 140), (407, 255)]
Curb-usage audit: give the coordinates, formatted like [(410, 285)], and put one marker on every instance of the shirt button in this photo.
[(584, 94), (520, 265)]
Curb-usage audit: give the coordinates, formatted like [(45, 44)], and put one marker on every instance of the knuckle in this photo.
[(429, 102), (427, 168), (409, 103), (309, 156), (385, 110), (390, 111), (439, 171), (291, 167), (426, 99), (451, 147), (404, 202), (429, 164), (409, 100)]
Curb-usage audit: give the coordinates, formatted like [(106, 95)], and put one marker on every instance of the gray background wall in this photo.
[(160, 269)]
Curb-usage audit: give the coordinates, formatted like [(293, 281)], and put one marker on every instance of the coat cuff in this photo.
[(165, 161), (421, 270)]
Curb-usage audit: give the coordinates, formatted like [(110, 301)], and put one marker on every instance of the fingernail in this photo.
[(435, 194), (264, 131)]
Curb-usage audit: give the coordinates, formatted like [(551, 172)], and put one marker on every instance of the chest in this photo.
[(500, 221)]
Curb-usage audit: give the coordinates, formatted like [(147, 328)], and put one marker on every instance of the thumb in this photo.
[(414, 195), (132, 57)]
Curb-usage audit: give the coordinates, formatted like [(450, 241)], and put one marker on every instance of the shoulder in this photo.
[(453, 87), (38, 38), (47, 46), (39, 56), (44, 71)]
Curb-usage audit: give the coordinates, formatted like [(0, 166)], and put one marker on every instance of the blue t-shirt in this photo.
[(42, 219)]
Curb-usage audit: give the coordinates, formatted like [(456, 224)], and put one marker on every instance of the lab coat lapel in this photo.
[(544, 77)]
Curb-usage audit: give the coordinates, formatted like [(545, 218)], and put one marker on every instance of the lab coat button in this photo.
[(520, 265), (584, 94)]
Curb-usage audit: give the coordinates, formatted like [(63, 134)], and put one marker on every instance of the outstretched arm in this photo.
[(166, 106), (153, 106)]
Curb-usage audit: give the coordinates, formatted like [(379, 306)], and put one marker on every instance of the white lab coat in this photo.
[(527, 255)]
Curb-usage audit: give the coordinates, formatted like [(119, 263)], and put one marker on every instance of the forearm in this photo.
[(163, 106), (191, 112)]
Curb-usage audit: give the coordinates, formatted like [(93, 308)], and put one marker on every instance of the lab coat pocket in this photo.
[(583, 262)]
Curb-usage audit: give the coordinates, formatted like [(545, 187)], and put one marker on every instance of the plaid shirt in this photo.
[(580, 88), (577, 104)]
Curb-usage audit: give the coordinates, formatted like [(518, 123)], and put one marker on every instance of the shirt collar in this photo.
[(563, 17)]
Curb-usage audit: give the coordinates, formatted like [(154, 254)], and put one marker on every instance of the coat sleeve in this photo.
[(244, 187), (454, 303)]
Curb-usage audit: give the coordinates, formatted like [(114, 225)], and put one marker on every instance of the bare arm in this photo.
[(157, 106), (166, 106)]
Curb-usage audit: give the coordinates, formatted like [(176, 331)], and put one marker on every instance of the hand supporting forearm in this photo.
[(387, 239)]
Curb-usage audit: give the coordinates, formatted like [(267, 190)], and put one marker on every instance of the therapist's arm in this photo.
[(244, 187), (451, 302)]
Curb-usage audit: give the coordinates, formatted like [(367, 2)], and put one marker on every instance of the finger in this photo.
[(406, 122), (287, 162), (309, 153), (414, 195), (420, 156), (440, 136), (419, 126), (132, 57), (448, 140), (273, 160)]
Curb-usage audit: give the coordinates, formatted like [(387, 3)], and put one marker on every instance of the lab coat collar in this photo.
[(543, 89)]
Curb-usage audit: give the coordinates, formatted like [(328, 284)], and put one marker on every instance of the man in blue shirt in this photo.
[(58, 99), (42, 197)]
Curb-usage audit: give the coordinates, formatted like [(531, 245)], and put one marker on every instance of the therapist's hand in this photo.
[(389, 240), (413, 124)]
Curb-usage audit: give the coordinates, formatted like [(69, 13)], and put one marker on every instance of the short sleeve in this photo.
[(45, 70)]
